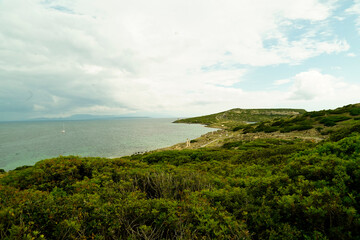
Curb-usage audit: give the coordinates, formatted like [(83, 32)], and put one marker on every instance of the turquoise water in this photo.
[(24, 143)]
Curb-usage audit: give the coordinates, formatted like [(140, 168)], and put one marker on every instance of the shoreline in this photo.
[(214, 139), (26, 143)]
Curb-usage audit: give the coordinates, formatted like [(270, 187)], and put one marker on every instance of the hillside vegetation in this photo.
[(235, 116), (325, 121), (264, 188)]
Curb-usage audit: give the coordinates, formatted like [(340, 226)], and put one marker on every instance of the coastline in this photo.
[(216, 137), (25, 143)]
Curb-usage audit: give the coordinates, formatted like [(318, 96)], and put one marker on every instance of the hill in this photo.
[(312, 126), (253, 184), (325, 121), (230, 118)]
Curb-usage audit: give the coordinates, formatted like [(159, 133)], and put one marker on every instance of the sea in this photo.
[(25, 143)]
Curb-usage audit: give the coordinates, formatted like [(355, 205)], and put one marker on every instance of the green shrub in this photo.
[(297, 119), (344, 132), (332, 120), (270, 129), (277, 123), (231, 145), (335, 118), (339, 111), (329, 123), (248, 129), (238, 128), (315, 114), (355, 111), (319, 129), (295, 128)]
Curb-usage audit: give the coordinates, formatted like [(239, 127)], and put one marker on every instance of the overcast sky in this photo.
[(176, 57)]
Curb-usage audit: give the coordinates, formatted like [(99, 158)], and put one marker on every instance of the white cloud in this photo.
[(339, 18), (313, 88), (338, 68), (281, 82), (126, 56), (313, 84), (307, 9), (38, 107), (355, 9), (351, 55), (219, 77), (92, 69)]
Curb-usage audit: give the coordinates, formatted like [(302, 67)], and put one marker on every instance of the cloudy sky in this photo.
[(176, 57)]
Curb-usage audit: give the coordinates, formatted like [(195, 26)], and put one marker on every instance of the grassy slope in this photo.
[(232, 117), (262, 188), (325, 121), (314, 126)]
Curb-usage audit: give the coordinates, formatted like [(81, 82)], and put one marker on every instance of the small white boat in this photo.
[(63, 130)]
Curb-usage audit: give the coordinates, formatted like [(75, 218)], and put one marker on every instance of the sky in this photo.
[(176, 58)]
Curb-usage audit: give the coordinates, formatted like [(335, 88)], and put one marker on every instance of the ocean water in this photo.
[(25, 143)]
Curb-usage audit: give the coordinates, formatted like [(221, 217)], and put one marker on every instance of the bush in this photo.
[(355, 111), (332, 120), (339, 111), (328, 123), (238, 128), (270, 129), (295, 128), (319, 129), (248, 129), (232, 145), (315, 114), (277, 123), (298, 119), (344, 132)]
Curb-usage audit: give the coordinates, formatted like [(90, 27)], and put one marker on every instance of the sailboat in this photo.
[(63, 130)]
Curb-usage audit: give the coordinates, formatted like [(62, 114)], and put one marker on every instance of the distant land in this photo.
[(84, 117)]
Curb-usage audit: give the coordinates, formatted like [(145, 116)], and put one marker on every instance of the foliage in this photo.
[(332, 120), (315, 114), (344, 132), (237, 128), (260, 189), (355, 111), (309, 120), (263, 189), (299, 123), (235, 118)]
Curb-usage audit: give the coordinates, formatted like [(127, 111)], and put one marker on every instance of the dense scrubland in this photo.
[(255, 189)]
